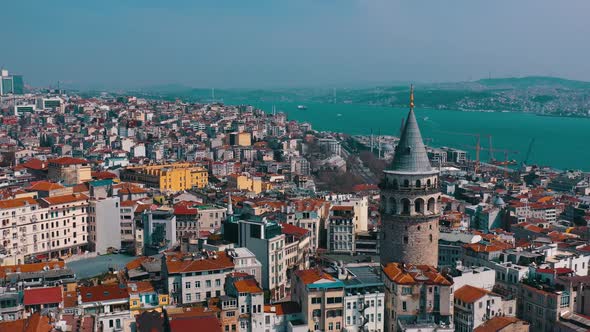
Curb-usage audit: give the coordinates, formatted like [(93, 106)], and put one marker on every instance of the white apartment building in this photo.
[(364, 298), (266, 241), (49, 227), (474, 306), (250, 301), (360, 206), (104, 222), (192, 278), (245, 261)]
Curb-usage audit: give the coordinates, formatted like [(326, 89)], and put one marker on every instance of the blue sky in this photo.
[(283, 43)]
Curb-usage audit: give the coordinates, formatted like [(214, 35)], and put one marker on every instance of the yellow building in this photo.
[(249, 182), (142, 296), (241, 139), (168, 177)]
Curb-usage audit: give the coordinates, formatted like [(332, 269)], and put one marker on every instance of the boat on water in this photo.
[(301, 107), (426, 118)]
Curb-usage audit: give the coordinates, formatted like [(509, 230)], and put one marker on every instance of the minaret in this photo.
[(410, 201), (230, 208)]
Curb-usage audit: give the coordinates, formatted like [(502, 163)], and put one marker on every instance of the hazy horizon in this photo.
[(308, 43)]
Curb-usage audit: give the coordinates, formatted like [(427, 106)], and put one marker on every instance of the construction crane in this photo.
[(498, 162), (477, 144)]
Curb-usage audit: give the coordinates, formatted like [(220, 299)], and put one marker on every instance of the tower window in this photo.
[(418, 184), (405, 240), (431, 205), (406, 183), (392, 206), (405, 206), (419, 205), (428, 183)]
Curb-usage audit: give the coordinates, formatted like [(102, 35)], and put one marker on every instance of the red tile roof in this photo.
[(176, 263), (46, 295), (140, 287), (342, 208), (44, 186), (247, 286), (480, 247), (103, 293), (293, 230), (17, 202), (470, 294), (129, 188), (35, 164), (312, 275), (414, 274), (35, 323), (68, 161), (134, 264), (70, 299), (185, 208), (55, 200), (308, 204), (104, 175), (283, 308), (498, 323)]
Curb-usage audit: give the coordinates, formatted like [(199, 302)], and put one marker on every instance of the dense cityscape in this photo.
[(132, 214)]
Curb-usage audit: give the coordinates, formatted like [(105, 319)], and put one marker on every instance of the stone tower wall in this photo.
[(410, 210)]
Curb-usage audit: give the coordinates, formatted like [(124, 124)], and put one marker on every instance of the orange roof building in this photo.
[(411, 286), (503, 323), (195, 278)]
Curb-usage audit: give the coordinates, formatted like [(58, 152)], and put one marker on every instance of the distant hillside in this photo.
[(532, 82)]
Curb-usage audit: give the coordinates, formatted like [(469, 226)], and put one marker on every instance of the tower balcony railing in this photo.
[(422, 190)]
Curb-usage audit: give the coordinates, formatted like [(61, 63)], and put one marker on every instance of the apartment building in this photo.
[(321, 297), (340, 229), (250, 298), (474, 306), (49, 227), (364, 298), (417, 297), (68, 170), (297, 246), (168, 177), (193, 278), (110, 304), (127, 224), (265, 239), (159, 230), (104, 222), (360, 205), (245, 262)]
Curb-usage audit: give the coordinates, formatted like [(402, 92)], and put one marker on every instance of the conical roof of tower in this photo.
[(410, 154)]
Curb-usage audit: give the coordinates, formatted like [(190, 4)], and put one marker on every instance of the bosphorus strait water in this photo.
[(560, 142)]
